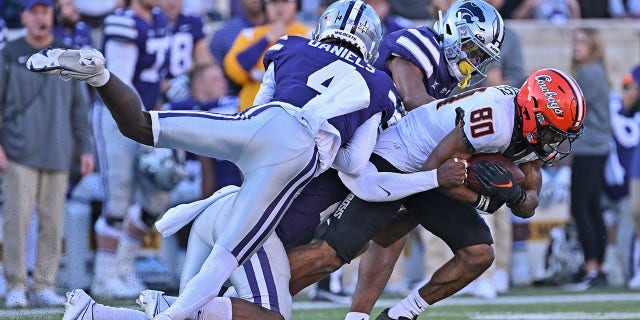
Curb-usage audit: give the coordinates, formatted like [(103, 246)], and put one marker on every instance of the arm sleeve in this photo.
[(122, 58), (374, 186), (267, 87), (354, 155)]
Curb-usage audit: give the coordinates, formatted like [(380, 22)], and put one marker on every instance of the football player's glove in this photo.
[(85, 64), (499, 182)]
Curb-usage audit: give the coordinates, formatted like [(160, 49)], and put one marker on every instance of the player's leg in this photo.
[(116, 157), (468, 236), (80, 306), (353, 224), (377, 263), (52, 193), (251, 219)]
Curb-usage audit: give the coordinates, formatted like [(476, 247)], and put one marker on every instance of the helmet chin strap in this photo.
[(465, 68)]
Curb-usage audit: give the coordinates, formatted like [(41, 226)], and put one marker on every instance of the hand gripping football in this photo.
[(475, 185)]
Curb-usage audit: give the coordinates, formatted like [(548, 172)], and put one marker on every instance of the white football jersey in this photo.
[(488, 115)]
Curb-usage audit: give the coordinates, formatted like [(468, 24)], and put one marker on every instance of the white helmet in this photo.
[(472, 32), (162, 168), (354, 22)]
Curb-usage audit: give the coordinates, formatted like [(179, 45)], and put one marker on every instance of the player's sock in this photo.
[(409, 307), (215, 271), (356, 316), (216, 309)]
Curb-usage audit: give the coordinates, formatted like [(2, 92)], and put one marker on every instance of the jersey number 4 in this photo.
[(321, 80)]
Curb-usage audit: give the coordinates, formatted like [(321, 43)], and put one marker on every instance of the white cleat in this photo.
[(85, 64), (112, 288), (79, 306), (153, 302)]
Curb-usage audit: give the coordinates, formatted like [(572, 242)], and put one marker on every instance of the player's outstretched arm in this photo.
[(89, 66)]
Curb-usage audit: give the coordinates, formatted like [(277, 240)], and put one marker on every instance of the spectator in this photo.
[(390, 22), (589, 157), (594, 9), (624, 8), (243, 63), (411, 9), (93, 12), (188, 48), (42, 119), (618, 219), (252, 15), (631, 106), (136, 44), (68, 27), (556, 11)]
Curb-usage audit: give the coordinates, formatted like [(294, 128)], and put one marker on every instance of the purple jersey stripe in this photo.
[(268, 279), (253, 282), (246, 246), (246, 114)]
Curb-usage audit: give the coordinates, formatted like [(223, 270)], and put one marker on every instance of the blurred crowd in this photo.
[(213, 62)]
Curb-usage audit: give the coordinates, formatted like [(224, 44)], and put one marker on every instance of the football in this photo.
[(472, 181)]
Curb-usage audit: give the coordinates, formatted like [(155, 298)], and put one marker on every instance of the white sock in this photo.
[(205, 285), (217, 309), (103, 312), (356, 316), (409, 307)]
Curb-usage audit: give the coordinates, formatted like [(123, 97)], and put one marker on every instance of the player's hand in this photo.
[(499, 182), (452, 173)]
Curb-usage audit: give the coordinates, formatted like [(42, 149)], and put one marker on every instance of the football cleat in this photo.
[(152, 302), (85, 64), (385, 316), (79, 306)]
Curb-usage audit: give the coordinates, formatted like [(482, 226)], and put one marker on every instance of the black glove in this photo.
[(499, 182), (488, 204)]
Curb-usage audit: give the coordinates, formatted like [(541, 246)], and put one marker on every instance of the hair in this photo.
[(197, 71), (344, 43), (596, 49)]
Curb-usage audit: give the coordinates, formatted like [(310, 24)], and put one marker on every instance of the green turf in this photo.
[(474, 309)]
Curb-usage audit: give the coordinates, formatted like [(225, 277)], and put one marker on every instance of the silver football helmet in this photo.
[(160, 167), (472, 32), (354, 22)]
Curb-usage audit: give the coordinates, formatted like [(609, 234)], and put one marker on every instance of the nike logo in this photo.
[(385, 190), (503, 185)]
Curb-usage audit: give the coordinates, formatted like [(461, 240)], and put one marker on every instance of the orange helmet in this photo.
[(551, 110)]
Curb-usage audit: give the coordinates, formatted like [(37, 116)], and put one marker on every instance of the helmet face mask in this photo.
[(472, 32), (551, 110), (353, 22)]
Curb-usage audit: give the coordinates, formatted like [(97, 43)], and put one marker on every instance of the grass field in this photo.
[(519, 304)]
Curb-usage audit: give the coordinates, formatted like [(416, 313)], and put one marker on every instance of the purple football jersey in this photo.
[(420, 46), (185, 33), (152, 41), (78, 38), (304, 68)]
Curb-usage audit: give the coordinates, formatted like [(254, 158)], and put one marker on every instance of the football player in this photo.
[(136, 45), (327, 104), (531, 126), (188, 48), (426, 64)]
